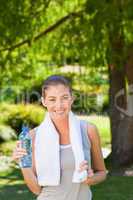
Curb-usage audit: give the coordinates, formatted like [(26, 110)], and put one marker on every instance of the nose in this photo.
[(59, 104)]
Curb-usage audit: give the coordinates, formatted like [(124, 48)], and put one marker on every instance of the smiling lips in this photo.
[(59, 112)]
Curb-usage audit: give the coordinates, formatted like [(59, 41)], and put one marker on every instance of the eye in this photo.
[(65, 98), (52, 100)]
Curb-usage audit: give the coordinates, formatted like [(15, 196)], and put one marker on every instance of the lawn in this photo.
[(114, 188), (12, 186), (103, 125)]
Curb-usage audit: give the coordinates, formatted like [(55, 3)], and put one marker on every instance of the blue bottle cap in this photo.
[(25, 129)]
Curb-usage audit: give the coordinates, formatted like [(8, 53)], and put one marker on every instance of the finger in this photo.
[(90, 173), (85, 182), (19, 152), (18, 143), (20, 149), (83, 162), (84, 167), (18, 155)]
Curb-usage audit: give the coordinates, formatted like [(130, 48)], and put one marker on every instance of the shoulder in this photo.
[(92, 130), (32, 133), (93, 133)]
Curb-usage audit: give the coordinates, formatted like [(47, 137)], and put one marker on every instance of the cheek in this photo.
[(48, 107), (69, 105), (51, 107)]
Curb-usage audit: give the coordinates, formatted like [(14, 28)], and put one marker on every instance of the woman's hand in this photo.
[(84, 166), (93, 178), (18, 152)]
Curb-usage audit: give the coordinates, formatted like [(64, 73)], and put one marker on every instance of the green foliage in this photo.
[(84, 38), (7, 147), (84, 103), (105, 105), (20, 20), (17, 115), (6, 133), (23, 21)]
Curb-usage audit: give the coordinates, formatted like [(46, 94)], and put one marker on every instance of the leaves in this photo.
[(84, 38)]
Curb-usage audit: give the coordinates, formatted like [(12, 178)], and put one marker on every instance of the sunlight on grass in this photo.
[(10, 182), (114, 188), (103, 125)]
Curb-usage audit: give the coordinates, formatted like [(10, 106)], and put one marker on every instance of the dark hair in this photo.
[(55, 80)]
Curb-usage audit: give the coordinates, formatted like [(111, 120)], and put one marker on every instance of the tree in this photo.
[(87, 32)]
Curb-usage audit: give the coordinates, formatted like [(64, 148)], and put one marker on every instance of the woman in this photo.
[(62, 146)]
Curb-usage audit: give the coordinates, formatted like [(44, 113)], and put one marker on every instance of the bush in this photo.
[(105, 107), (6, 133), (84, 103), (17, 115)]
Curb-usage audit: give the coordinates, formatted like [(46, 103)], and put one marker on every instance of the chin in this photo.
[(59, 116)]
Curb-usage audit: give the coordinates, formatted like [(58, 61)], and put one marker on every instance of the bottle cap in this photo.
[(25, 129)]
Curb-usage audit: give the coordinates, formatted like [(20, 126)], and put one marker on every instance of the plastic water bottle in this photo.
[(24, 137)]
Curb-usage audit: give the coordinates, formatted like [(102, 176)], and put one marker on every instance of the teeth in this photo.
[(61, 112)]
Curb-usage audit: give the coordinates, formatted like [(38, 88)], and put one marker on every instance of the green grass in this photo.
[(12, 186), (114, 188), (103, 125)]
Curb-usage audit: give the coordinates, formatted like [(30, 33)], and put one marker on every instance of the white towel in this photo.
[(47, 151)]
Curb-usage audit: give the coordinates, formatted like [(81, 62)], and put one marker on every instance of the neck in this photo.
[(61, 125)]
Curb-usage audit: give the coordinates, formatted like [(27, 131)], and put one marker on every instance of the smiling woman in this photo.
[(62, 173), (58, 101)]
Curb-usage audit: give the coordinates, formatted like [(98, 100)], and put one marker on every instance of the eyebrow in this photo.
[(51, 97), (55, 97)]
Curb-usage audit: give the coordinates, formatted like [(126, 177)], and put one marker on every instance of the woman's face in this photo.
[(58, 101)]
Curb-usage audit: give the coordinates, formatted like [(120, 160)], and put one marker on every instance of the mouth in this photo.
[(59, 112)]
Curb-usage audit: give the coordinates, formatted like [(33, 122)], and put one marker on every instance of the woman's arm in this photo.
[(29, 174), (31, 180), (98, 165)]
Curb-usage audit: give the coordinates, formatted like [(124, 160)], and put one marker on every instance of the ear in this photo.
[(43, 102)]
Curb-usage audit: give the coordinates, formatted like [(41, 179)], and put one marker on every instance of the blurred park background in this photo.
[(91, 43)]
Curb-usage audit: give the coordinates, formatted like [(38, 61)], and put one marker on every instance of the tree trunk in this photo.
[(116, 85), (126, 140), (121, 107)]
